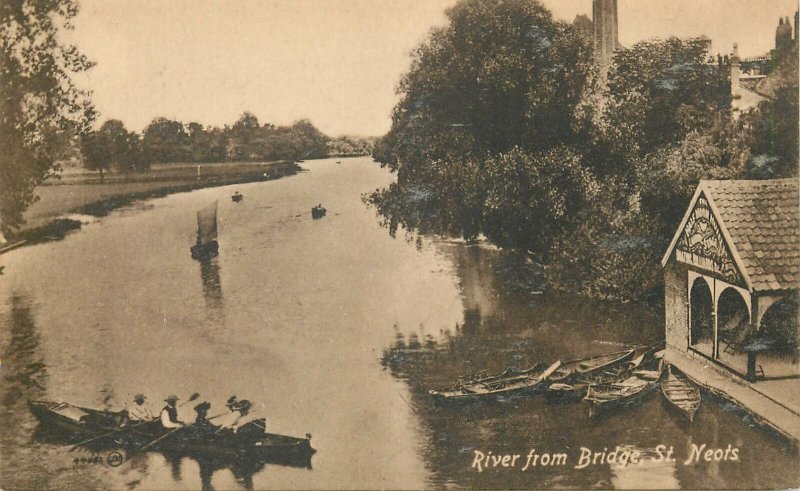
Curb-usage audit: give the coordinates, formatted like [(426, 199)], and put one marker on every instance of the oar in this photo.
[(98, 437), (161, 438)]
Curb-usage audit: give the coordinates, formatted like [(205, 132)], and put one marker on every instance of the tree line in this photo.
[(165, 140), (45, 119), (507, 128)]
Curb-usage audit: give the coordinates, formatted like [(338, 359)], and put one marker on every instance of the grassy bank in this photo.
[(85, 193)]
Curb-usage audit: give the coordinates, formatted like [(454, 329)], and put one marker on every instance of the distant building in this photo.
[(749, 77), (783, 36), (605, 30), (584, 25)]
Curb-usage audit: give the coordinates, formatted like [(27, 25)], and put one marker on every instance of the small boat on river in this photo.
[(616, 395), (318, 212), (206, 246), (509, 382), (579, 383), (680, 392), (237, 197), (250, 442), (589, 365)]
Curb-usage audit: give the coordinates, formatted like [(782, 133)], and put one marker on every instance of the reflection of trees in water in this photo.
[(24, 370)]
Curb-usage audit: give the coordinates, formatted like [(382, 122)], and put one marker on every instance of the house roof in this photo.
[(760, 220)]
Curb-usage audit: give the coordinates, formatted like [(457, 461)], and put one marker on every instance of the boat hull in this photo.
[(605, 399), (680, 394), (77, 424), (506, 384)]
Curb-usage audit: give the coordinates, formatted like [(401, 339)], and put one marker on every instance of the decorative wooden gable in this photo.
[(702, 244)]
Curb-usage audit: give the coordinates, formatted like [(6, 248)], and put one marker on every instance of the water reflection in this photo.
[(212, 288), (520, 329), (137, 466)]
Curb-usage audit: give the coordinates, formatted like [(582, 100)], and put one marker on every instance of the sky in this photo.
[(334, 62)]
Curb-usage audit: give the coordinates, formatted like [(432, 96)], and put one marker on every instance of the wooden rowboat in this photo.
[(589, 365), (605, 397), (575, 387), (509, 382), (680, 392), (251, 442)]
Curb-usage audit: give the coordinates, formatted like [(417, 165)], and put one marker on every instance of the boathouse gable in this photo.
[(735, 255)]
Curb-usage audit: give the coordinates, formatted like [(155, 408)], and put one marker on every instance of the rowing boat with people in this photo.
[(509, 382), (249, 441)]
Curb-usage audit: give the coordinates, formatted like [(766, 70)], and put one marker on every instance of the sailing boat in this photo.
[(206, 246)]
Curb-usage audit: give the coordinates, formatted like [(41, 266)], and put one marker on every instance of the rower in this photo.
[(169, 415), (236, 411), (137, 411)]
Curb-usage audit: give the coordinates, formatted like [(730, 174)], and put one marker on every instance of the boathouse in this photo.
[(731, 277)]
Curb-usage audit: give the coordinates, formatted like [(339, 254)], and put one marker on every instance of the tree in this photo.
[(165, 140), (533, 197), (38, 98), (113, 146), (500, 75)]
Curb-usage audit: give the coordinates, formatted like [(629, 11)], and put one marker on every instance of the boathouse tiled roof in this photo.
[(763, 221)]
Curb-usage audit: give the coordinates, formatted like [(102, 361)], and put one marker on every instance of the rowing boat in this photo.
[(631, 391), (589, 365), (574, 388), (680, 392), (509, 382), (250, 442)]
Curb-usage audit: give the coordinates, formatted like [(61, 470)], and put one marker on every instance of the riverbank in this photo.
[(86, 194)]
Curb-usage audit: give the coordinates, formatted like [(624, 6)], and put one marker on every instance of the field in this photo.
[(83, 192)]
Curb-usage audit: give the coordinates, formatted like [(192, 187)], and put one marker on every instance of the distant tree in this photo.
[(113, 146), (39, 99), (165, 140)]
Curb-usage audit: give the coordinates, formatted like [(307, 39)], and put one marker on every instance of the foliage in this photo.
[(502, 75), (534, 197), (504, 129), (167, 140), (113, 146), (38, 99), (775, 133)]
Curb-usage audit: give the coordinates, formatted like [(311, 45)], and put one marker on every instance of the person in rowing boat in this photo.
[(137, 411), (169, 415), (237, 409)]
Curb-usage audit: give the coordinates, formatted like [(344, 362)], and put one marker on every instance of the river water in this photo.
[(331, 327)]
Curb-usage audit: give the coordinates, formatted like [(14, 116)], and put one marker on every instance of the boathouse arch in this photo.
[(740, 241)]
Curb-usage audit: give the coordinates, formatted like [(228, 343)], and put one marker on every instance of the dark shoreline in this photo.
[(58, 228)]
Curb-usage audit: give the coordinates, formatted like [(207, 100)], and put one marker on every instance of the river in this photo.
[(331, 327)]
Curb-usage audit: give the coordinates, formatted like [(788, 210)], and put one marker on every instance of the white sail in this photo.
[(207, 224)]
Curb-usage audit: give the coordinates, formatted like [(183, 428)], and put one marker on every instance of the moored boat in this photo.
[(250, 442), (589, 365), (628, 392), (680, 392), (509, 382), (574, 388)]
